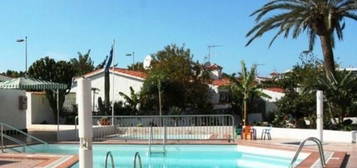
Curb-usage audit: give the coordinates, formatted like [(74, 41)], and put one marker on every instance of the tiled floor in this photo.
[(21, 160)]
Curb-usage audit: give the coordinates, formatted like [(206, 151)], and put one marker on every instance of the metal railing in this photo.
[(321, 151), (6, 127), (178, 127), (109, 154), (137, 156)]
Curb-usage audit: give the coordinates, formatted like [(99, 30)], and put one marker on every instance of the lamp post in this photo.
[(20, 41), (132, 54)]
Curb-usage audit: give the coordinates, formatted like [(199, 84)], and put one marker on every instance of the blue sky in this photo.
[(61, 28)]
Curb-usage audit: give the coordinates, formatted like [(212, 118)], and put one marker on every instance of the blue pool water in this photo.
[(177, 156)]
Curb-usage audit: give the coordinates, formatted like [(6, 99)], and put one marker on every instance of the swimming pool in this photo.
[(181, 156)]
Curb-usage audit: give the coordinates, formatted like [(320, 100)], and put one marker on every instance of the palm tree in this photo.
[(133, 100), (246, 86), (83, 64), (341, 94), (318, 18)]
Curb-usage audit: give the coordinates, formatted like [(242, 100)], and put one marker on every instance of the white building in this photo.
[(120, 81)]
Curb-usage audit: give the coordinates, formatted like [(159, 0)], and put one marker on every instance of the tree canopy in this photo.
[(83, 64), (54, 71), (174, 70)]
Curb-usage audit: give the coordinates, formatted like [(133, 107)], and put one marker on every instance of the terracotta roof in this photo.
[(121, 70), (221, 82), (91, 73), (131, 72), (276, 89)]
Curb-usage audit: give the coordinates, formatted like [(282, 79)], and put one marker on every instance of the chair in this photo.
[(239, 131), (249, 133), (266, 133)]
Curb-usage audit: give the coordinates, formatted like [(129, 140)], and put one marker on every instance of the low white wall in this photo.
[(38, 109), (98, 132), (9, 108), (300, 134)]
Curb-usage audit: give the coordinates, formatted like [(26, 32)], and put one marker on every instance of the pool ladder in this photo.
[(321, 151), (109, 154), (137, 158), (163, 141)]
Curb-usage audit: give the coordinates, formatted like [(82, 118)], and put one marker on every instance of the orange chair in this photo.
[(247, 132)]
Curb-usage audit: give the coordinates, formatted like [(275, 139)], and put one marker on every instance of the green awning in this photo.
[(23, 83)]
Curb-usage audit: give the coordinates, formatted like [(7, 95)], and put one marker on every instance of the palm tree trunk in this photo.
[(326, 45), (245, 116)]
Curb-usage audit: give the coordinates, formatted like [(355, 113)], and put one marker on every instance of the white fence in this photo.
[(173, 127)]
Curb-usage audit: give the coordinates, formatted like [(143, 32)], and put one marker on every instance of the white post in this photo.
[(58, 111), (85, 123), (319, 114), (113, 84)]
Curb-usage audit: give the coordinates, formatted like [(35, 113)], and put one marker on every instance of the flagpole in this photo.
[(113, 64)]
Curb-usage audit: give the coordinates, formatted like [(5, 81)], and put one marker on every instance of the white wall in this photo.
[(270, 105), (38, 109), (214, 94), (301, 134), (9, 108), (122, 82)]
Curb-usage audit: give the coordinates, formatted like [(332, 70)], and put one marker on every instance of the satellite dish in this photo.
[(147, 62)]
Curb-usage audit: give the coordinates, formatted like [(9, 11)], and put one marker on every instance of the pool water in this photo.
[(177, 156)]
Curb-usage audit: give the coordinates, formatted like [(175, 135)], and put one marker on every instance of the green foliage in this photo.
[(83, 64), (132, 101), (49, 70), (244, 89), (294, 107), (180, 82), (340, 91), (137, 67), (13, 74), (299, 102)]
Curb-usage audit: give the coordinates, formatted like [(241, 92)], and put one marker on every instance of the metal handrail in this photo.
[(23, 133), (22, 144), (109, 154), (321, 151), (137, 156)]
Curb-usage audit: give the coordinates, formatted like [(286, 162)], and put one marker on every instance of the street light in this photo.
[(132, 54), (20, 41)]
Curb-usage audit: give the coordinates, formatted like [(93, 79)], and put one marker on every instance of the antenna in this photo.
[(209, 50)]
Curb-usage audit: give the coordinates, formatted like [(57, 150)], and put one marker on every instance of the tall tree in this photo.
[(246, 86), (318, 18), (83, 64), (49, 70), (174, 77)]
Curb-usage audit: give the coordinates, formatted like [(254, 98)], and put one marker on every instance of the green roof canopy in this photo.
[(31, 84)]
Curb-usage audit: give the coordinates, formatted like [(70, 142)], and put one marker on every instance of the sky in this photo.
[(61, 28)]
